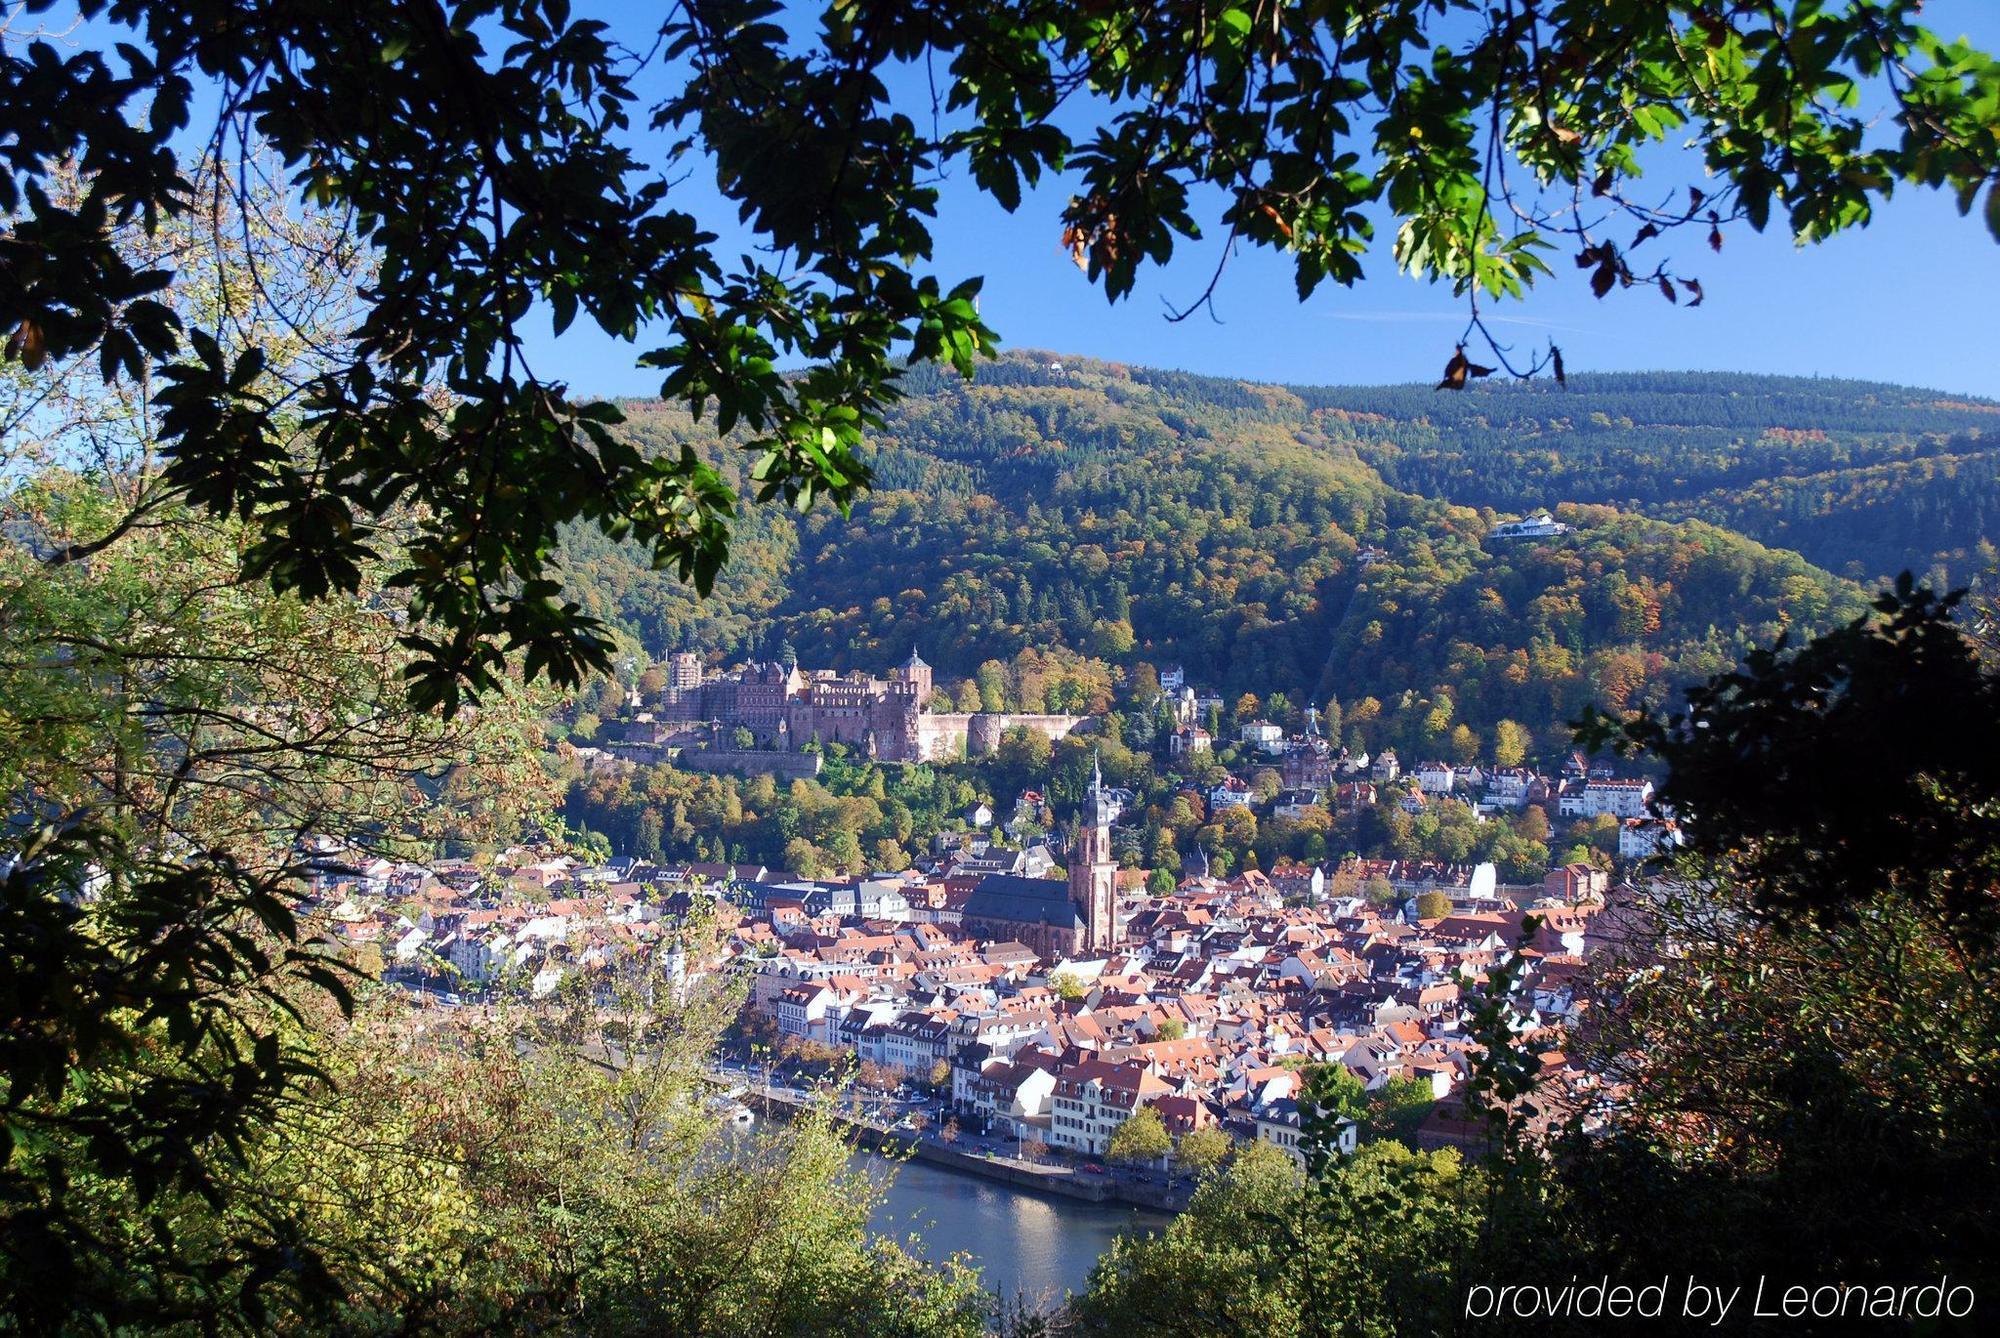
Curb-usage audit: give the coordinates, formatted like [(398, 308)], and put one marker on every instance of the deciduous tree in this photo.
[(1141, 1137)]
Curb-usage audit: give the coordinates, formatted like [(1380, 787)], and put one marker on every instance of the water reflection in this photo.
[(1022, 1242)]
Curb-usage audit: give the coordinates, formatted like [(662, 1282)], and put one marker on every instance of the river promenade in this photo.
[(970, 1154)]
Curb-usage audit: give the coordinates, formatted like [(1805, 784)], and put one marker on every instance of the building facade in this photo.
[(785, 708), (1093, 870), (1054, 919)]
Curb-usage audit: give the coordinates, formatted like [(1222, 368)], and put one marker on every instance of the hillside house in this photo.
[(1599, 797), (1541, 525), (1263, 735)]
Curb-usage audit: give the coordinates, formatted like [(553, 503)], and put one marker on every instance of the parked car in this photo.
[(1093, 1168)]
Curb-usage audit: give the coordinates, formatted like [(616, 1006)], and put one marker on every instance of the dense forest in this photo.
[(1860, 478), (1081, 518)]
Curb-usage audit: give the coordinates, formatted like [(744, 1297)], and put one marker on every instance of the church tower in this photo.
[(1093, 873)]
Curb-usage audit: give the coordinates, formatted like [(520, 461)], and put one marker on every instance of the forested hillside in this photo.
[(1861, 478), (1035, 530)]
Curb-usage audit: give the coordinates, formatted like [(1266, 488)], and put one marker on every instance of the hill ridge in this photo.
[(1038, 533)]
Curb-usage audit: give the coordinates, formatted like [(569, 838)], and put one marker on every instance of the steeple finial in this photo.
[(1096, 769)]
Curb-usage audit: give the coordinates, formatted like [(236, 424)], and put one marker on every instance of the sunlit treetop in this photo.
[(494, 155)]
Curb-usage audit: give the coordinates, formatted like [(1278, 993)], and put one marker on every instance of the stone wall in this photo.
[(941, 736), (949, 734), (984, 730), (785, 766)]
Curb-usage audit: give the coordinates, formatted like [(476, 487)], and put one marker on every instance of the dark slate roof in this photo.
[(1006, 896)]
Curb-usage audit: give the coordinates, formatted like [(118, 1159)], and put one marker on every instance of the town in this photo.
[(1020, 994), (975, 670)]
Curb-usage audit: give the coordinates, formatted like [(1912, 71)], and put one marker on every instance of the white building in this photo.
[(1507, 787), (1014, 1096), (1437, 777), (1296, 803), (1232, 793), (1263, 735), (1643, 838), (1278, 1125), (1092, 1098), (1618, 798), (801, 1010), (1539, 526)]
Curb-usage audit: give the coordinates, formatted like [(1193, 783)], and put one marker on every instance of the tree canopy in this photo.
[(1141, 1137), (488, 158), (1859, 955), (305, 532)]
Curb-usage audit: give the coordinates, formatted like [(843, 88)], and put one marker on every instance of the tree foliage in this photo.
[(485, 155), (1140, 1138), (1235, 528), (1368, 1245), (175, 742), (560, 1166), (1861, 478), (1204, 1151), (359, 482), (1769, 1068), (1813, 773)]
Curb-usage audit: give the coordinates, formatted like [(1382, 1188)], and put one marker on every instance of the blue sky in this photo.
[(1912, 298)]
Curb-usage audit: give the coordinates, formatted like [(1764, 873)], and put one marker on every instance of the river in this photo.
[(1024, 1243)]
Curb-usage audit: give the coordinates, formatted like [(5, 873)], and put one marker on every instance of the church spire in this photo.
[(1093, 869)]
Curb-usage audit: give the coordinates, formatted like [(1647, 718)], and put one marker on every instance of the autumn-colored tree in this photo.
[(966, 696), (876, 1077), (1202, 1152), (1464, 745), (889, 857)]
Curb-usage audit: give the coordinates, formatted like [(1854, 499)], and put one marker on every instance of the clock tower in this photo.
[(1093, 873)]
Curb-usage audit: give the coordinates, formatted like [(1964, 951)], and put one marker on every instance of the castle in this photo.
[(785, 708), (1055, 920)]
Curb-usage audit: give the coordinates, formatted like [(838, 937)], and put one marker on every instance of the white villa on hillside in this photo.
[(1539, 526)]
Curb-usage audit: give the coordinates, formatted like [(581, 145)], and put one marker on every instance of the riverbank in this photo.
[(1029, 1247), (1037, 1177)]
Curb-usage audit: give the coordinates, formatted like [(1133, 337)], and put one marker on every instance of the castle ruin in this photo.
[(785, 708)]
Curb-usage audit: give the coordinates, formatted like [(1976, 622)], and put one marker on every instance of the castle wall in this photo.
[(985, 729), (785, 766), (850, 710), (941, 736)]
